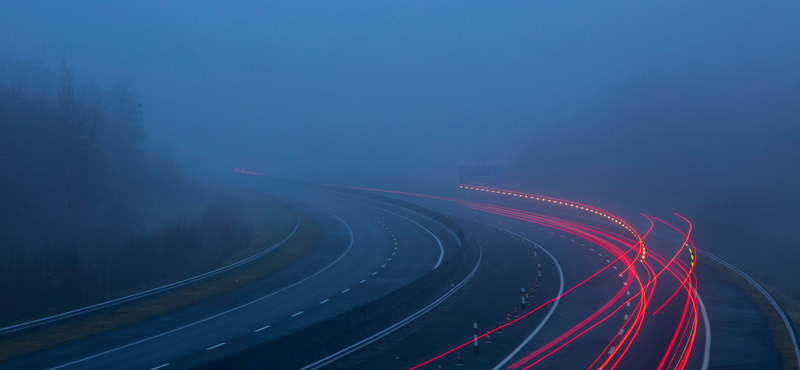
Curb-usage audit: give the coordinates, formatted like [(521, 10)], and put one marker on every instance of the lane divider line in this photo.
[(349, 247), (547, 317), (327, 360)]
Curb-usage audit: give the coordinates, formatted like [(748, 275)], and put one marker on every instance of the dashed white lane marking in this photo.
[(395, 244), (600, 254), (628, 292), (362, 281), (562, 236), (615, 267), (160, 366), (591, 249), (621, 331), (258, 330), (552, 232), (221, 313), (626, 317), (325, 301), (612, 349), (218, 345), (348, 289), (627, 304), (393, 253), (625, 283), (608, 261), (390, 258), (299, 313), (374, 273), (572, 240), (583, 245), (382, 266)]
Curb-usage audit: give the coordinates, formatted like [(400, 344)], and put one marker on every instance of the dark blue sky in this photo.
[(316, 90)]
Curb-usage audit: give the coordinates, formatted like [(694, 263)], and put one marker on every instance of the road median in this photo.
[(304, 241)]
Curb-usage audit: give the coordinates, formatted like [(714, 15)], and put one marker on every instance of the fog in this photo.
[(682, 106)]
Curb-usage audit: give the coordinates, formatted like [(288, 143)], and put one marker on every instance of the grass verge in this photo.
[(304, 241), (780, 334)]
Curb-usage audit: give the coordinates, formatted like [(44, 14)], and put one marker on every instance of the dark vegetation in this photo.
[(722, 148), (87, 212)]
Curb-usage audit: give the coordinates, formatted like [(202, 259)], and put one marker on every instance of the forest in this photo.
[(90, 210)]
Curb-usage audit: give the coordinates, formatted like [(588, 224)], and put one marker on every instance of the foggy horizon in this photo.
[(410, 90)]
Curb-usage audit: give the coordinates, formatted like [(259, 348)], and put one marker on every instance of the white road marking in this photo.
[(612, 349), (626, 317), (390, 258), (707, 349), (600, 254), (348, 289), (608, 261), (628, 292), (374, 273), (547, 317), (627, 304), (160, 366), (258, 330), (299, 313), (325, 301), (218, 345), (382, 266), (362, 281), (349, 247), (615, 267)]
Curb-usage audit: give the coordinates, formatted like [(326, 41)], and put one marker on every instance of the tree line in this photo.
[(87, 212)]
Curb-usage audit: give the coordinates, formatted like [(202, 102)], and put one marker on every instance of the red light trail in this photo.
[(628, 250)]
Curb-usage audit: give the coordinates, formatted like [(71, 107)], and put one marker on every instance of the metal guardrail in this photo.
[(765, 293), (332, 339), (148, 293), (757, 286)]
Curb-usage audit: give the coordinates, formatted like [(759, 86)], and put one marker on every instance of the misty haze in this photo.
[(417, 185)]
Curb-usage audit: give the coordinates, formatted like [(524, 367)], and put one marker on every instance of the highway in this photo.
[(367, 250), (611, 295), (603, 320)]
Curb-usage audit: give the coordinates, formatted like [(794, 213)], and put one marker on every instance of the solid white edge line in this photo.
[(707, 349), (758, 286), (552, 309), (216, 346), (346, 290), (225, 312), (441, 248), (161, 289), (401, 323)]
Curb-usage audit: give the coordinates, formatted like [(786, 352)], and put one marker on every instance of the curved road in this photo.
[(593, 327), (367, 250)]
